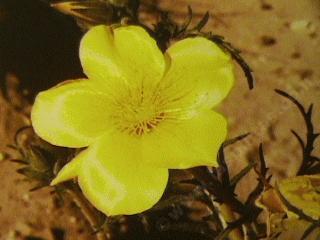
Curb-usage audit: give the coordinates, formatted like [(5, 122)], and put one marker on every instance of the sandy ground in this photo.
[(280, 40)]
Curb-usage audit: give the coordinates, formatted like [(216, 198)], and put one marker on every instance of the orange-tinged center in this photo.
[(140, 111)]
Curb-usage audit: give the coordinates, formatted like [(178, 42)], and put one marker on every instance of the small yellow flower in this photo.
[(303, 192), (140, 113)]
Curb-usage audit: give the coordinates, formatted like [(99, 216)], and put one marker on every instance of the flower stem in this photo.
[(228, 204), (89, 213)]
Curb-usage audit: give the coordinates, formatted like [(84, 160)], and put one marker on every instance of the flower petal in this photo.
[(115, 180), (70, 170), (139, 54), (303, 193), (121, 56), (185, 144), (200, 74), (72, 114)]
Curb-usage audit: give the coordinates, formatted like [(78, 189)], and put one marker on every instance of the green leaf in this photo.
[(202, 22), (234, 181)]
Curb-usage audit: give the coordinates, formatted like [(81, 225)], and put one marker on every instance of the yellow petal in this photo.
[(140, 57), (70, 170), (121, 57), (72, 114), (186, 143), (292, 229), (200, 74), (270, 201), (115, 180), (303, 193)]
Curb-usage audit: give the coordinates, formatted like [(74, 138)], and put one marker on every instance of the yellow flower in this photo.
[(140, 113), (303, 193)]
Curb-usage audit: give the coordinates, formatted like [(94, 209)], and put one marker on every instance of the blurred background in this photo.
[(279, 39)]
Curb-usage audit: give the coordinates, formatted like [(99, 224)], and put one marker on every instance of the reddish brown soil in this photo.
[(280, 40)]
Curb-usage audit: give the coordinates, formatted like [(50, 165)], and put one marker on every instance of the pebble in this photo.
[(303, 26), (73, 219), (299, 25), (26, 197), (2, 156)]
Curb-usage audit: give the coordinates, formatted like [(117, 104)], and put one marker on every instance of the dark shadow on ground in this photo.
[(37, 44)]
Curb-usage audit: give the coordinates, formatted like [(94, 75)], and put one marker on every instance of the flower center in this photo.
[(138, 114)]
